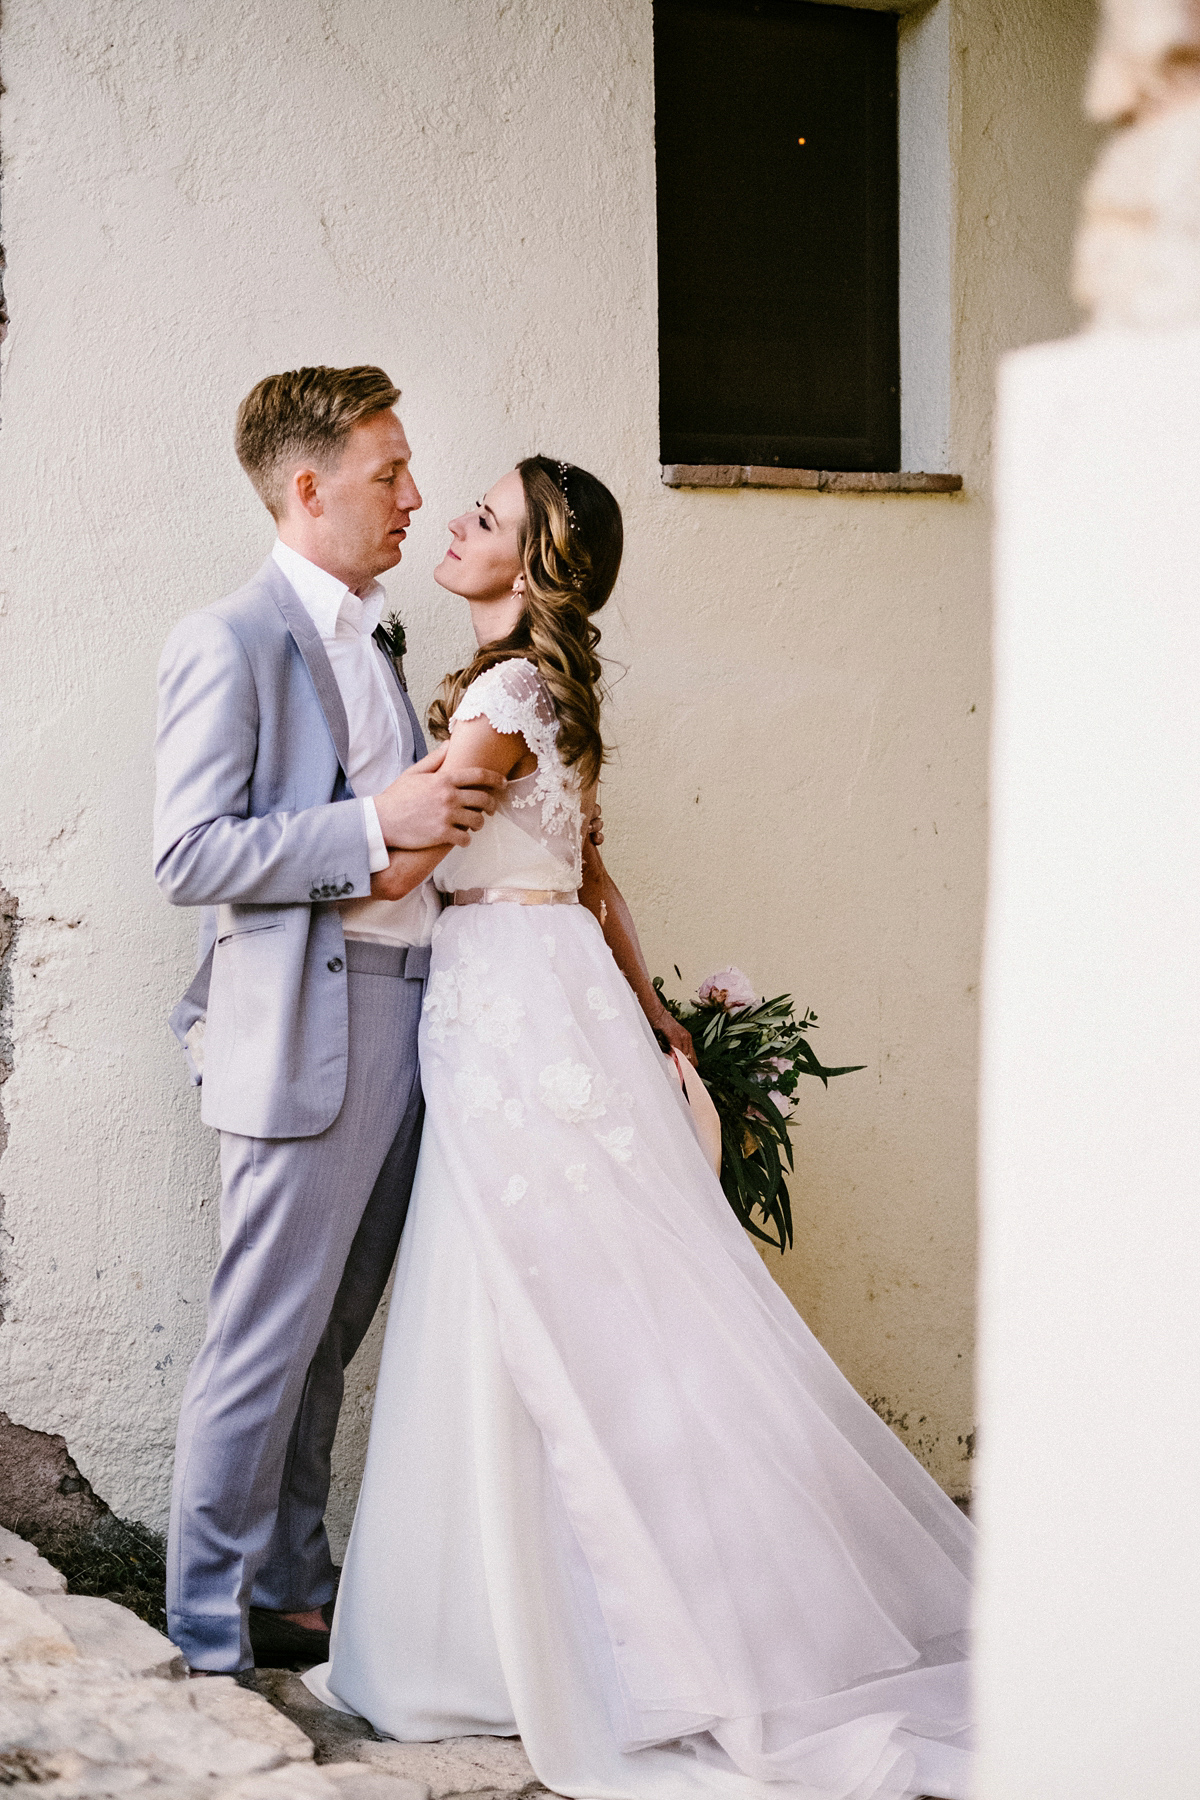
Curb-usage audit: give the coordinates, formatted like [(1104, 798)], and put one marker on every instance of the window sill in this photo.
[(816, 481)]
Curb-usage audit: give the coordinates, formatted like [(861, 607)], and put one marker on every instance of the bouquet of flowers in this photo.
[(751, 1058)]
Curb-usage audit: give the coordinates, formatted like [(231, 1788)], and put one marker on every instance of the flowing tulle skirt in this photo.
[(617, 1498)]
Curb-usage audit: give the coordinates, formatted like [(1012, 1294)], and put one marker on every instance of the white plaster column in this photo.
[(1089, 1489)]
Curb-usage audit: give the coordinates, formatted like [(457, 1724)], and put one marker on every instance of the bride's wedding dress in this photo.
[(617, 1497)]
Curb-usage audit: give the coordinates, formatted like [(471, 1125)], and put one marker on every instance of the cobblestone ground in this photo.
[(94, 1706)]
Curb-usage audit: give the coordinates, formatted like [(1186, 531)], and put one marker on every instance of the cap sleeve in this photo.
[(512, 697)]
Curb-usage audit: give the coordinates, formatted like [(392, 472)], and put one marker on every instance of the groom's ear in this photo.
[(304, 486)]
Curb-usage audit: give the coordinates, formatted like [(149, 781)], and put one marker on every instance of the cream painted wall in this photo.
[(464, 192)]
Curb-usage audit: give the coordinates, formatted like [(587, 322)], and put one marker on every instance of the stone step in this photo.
[(485, 1768), (116, 1732), (246, 1714), (354, 1781), (23, 1568), (468, 1765), (105, 1632), (28, 1633), (92, 1697), (91, 1702), (336, 1736)]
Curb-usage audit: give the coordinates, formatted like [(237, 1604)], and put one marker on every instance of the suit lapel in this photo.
[(410, 729), (420, 747), (308, 642)]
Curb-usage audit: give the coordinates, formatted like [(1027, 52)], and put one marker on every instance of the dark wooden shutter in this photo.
[(777, 261)]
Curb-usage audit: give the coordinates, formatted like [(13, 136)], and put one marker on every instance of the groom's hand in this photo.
[(427, 805)]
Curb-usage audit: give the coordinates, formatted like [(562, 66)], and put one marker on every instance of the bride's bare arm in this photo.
[(601, 895), (473, 746)]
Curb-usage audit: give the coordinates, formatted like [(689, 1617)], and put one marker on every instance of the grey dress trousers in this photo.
[(309, 1232)]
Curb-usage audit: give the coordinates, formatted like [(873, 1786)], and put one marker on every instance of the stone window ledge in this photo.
[(817, 481)]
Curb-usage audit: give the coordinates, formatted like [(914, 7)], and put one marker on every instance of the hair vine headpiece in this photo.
[(562, 482)]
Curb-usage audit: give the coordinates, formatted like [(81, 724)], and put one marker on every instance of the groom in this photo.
[(290, 761)]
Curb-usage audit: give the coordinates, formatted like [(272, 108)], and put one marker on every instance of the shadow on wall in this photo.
[(45, 1499)]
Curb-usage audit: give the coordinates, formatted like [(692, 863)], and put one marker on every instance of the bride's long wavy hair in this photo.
[(570, 547)]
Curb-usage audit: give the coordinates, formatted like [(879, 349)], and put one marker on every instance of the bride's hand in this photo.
[(677, 1037)]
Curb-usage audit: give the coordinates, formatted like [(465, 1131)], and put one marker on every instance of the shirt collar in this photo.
[(322, 595)]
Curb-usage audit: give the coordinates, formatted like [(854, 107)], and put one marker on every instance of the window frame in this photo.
[(878, 447)]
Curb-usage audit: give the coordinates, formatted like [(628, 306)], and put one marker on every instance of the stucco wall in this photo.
[(464, 192)]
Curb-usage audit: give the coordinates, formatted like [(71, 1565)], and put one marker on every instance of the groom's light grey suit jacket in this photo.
[(256, 822)]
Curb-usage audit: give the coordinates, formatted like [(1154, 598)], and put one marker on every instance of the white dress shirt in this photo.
[(381, 744)]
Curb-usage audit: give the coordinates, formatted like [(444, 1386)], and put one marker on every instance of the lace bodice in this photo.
[(535, 837)]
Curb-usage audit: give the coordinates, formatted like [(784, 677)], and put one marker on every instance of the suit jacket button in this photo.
[(335, 965)]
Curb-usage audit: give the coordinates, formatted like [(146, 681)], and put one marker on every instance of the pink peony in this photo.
[(728, 988)]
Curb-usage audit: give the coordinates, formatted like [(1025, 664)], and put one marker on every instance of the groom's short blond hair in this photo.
[(304, 415)]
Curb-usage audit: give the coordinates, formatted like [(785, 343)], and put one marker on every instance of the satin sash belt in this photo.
[(517, 897)]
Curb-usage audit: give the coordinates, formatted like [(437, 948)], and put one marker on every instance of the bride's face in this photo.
[(484, 560)]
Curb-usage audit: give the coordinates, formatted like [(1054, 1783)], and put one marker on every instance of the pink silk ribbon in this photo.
[(704, 1113)]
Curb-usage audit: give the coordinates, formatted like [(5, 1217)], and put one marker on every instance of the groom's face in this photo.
[(366, 500)]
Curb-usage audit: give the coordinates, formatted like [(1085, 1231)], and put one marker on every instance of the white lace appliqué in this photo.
[(600, 1004), (461, 995), (515, 1189), (477, 1093), (617, 1142), (441, 1002), (515, 700), (576, 1174), (572, 1091)]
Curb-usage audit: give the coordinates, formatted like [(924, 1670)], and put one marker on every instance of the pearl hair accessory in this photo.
[(576, 583), (562, 482)]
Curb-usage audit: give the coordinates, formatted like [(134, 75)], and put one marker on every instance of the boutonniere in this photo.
[(390, 634)]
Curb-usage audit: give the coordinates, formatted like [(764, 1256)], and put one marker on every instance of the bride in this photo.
[(617, 1498)]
